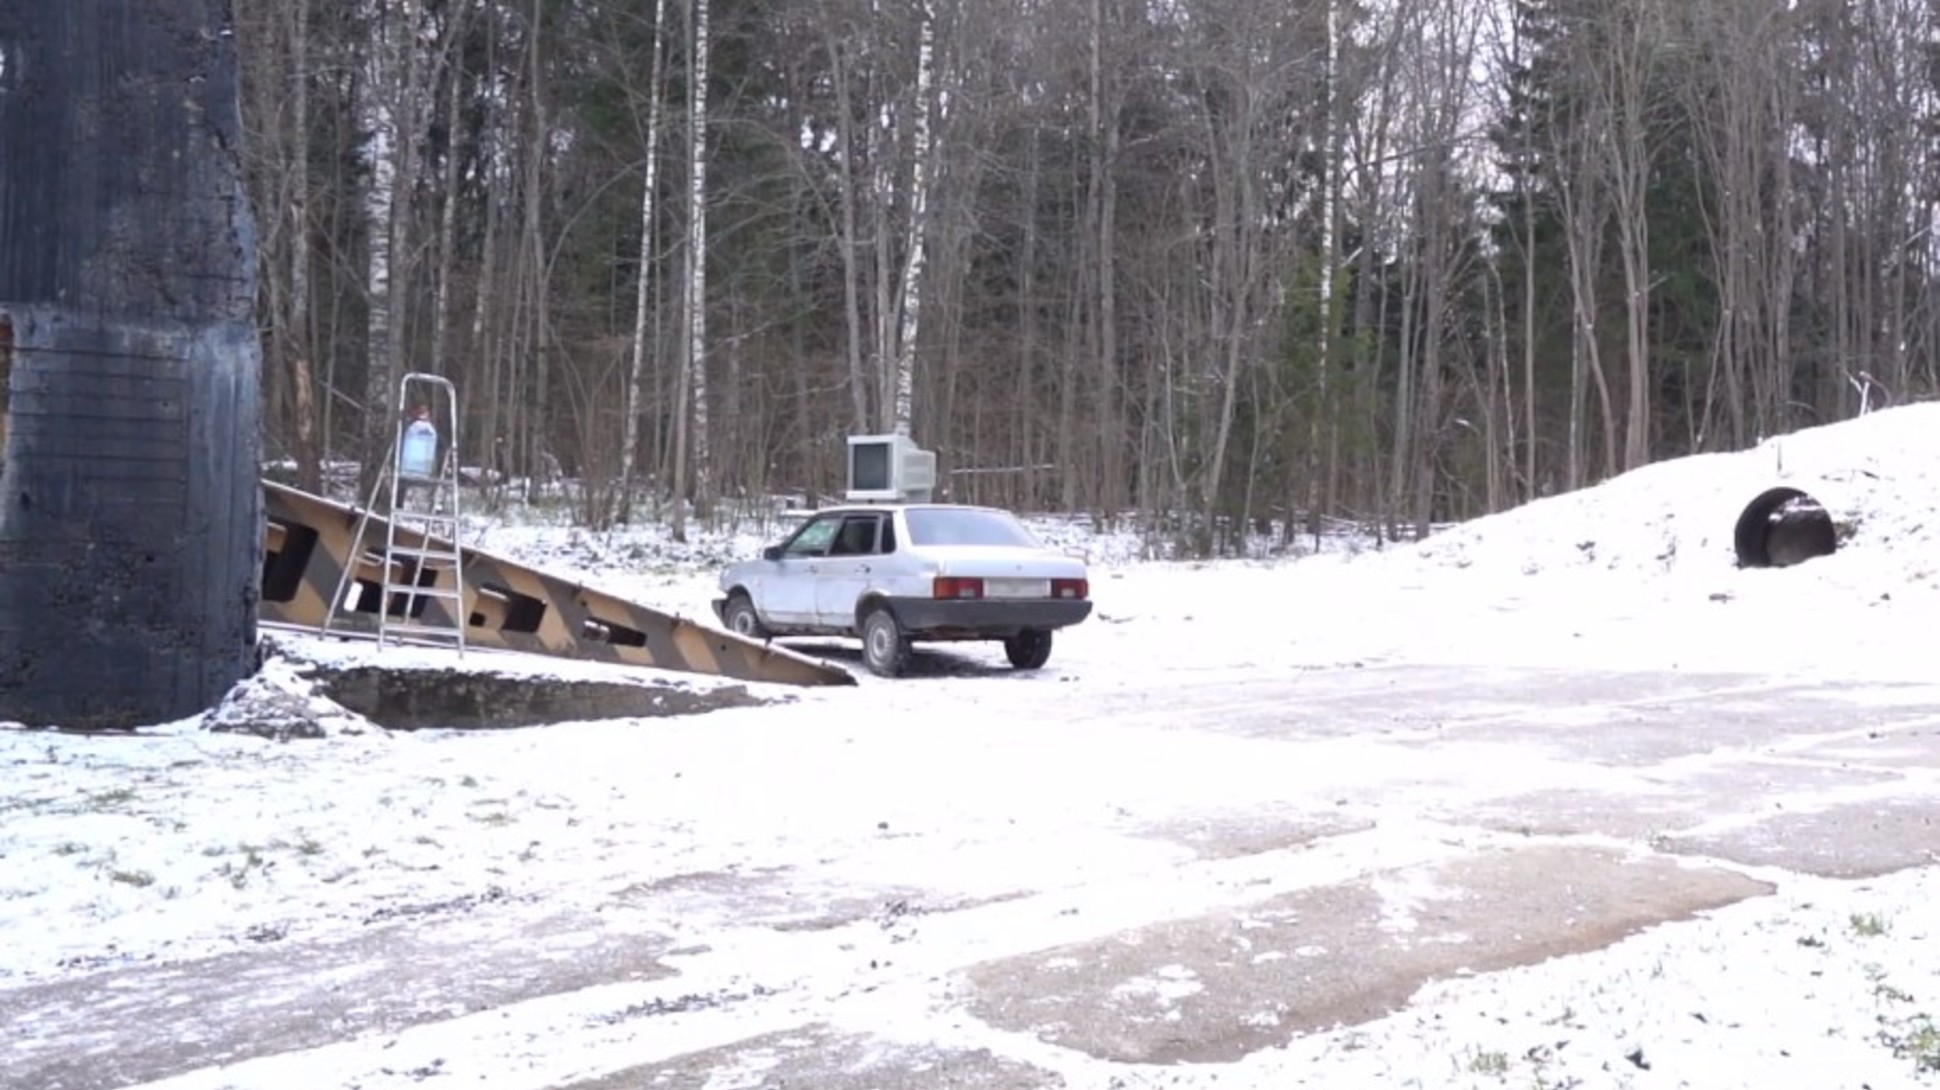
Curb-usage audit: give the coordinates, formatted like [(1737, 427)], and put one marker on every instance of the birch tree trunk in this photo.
[(1027, 327), (491, 450), (697, 273), (691, 427), (642, 293), (536, 412), (882, 197), (916, 245), (302, 334), (394, 172), (1322, 453), (1102, 193)]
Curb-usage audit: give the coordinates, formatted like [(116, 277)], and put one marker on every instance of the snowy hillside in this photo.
[(1878, 476), (1640, 570)]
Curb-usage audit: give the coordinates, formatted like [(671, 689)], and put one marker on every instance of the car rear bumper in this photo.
[(984, 618)]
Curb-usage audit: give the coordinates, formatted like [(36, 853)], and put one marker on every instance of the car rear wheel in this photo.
[(1029, 649), (885, 650), (741, 618)]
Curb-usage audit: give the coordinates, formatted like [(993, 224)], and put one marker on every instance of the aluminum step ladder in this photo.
[(420, 595)]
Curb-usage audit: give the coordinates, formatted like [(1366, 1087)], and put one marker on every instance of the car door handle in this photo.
[(864, 569)]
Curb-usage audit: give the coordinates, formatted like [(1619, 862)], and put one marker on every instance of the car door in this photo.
[(847, 570), (788, 597)]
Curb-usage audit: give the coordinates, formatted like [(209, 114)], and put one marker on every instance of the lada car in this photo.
[(891, 574)]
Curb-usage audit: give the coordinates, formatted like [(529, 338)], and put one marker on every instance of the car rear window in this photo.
[(947, 526)]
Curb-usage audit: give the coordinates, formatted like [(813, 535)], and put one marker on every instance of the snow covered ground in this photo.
[(1380, 763)]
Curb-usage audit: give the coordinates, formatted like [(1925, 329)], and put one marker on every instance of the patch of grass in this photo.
[(140, 879), (1489, 1063), (70, 847), (468, 781), (1918, 1039), (105, 800), (494, 818), (239, 871), (1868, 925), (1882, 989)]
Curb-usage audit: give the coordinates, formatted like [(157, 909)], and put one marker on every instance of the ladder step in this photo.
[(407, 591), (444, 631), (423, 553)]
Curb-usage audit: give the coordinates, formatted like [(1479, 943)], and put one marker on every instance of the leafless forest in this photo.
[(1201, 263)]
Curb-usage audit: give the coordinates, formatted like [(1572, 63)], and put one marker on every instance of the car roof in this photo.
[(859, 508)]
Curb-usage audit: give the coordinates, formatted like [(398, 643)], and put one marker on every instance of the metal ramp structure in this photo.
[(309, 552), (422, 559)]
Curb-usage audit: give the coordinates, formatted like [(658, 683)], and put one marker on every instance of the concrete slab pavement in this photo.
[(1680, 793), (1217, 987)]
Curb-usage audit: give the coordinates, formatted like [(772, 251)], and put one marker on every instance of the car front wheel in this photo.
[(741, 618), (1029, 649), (885, 649)]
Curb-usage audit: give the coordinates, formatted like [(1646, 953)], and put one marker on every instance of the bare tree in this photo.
[(1209, 261), (1103, 103), (1624, 99), (849, 242), (451, 61), (691, 423), (1323, 424), (642, 295), (1579, 143), (392, 113), (900, 381)]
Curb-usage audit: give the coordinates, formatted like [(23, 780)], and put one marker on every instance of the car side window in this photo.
[(857, 537), (812, 539)]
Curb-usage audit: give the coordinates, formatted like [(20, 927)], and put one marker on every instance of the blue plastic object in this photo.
[(417, 455)]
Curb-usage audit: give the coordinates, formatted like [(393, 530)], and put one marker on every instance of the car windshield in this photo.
[(966, 526)]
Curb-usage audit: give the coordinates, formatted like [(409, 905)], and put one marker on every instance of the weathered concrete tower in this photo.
[(130, 508)]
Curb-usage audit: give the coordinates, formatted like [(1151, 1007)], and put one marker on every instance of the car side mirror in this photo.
[(772, 552)]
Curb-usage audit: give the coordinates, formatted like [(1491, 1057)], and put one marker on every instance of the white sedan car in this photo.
[(893, 573)]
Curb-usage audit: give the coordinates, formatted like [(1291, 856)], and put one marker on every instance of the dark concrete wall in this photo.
[(130, 513)]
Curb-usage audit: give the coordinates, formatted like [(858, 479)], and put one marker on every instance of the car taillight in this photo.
[(951, 586), (1070, 588)]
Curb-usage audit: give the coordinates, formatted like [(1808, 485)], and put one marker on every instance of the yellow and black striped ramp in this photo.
[(307, 545)]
